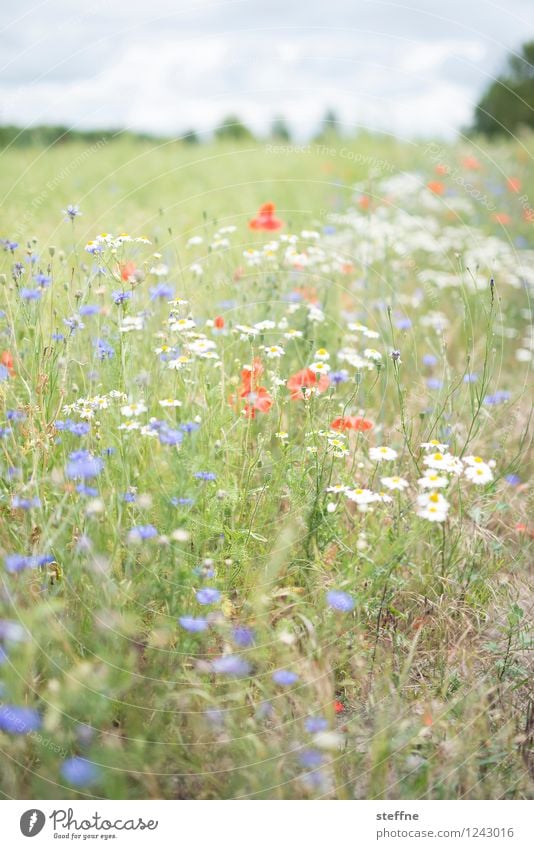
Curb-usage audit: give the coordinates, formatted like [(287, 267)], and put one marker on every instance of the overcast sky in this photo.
[(414, 68)]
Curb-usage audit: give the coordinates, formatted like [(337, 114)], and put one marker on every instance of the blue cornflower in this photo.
[(18, 562), (513, 480), (429, 360), (129, 497), (339, 600), (79, 771), (104, 350), (58, 337), (215, 717), (189, 427), (310, 758), (19, 503), (243, 637), (90, 491), (205, 476), (314, 724), (231, 665), (42, 280), (79, 428), (208, 595), (5, 432), (403, 323), (30, 294), (89, 309), (434, 383), (12, 632), (142, 532), (499, 397), (16, 416), (162, 290), (470, 378), (339, 376), (193, 624), (119, 297), (179, 502), (18, 720), (284, 677), (83, 464), (4, 373), (72, 211), (170, 436)]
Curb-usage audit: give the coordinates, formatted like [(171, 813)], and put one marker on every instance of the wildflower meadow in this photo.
[(265, 470)]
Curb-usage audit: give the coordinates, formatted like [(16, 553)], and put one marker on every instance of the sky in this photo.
[(164, 66)]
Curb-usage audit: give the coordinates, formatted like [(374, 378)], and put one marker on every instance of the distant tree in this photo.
[(232, 129), (280, 130), (190, 137), (508, 103), (330, 126)]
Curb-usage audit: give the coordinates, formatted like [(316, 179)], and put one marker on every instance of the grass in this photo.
[(422, 690)]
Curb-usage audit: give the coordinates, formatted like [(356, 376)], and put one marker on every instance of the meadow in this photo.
[(265, 470)]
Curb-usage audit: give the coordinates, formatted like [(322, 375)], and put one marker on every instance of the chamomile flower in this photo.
[(362, 497), (135, 409), (322, 355), (382, 452), (431, 480), (320, 367), (443, 462), (395, 483), (372, 354), (170, 402), (338, 488), (433, 499), (274, 352), (479, 473), (434, 445)]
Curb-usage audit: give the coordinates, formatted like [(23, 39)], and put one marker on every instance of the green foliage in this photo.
[(507, 106)]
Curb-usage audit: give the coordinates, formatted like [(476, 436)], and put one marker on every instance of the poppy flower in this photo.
[(364, 201), (303, 382), (441, 169), (266, 219), (339, 707), (471, 163), (514, 184), (351, 423), (127, 270), (218, 322), (7, 361), (259, 400), (436, 187), (501, 218)]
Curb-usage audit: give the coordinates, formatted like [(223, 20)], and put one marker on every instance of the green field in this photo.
[(235, 594)]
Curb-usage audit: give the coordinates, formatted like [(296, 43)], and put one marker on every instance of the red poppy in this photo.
[(436, 187), (471, 163), (339, 707), (266, 219), (501, 218), (257, 398), (514, 184), (218, 322), (127, 270), (364, 201), (351, 423), (441, 169), (7, 361), (303, 381)]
